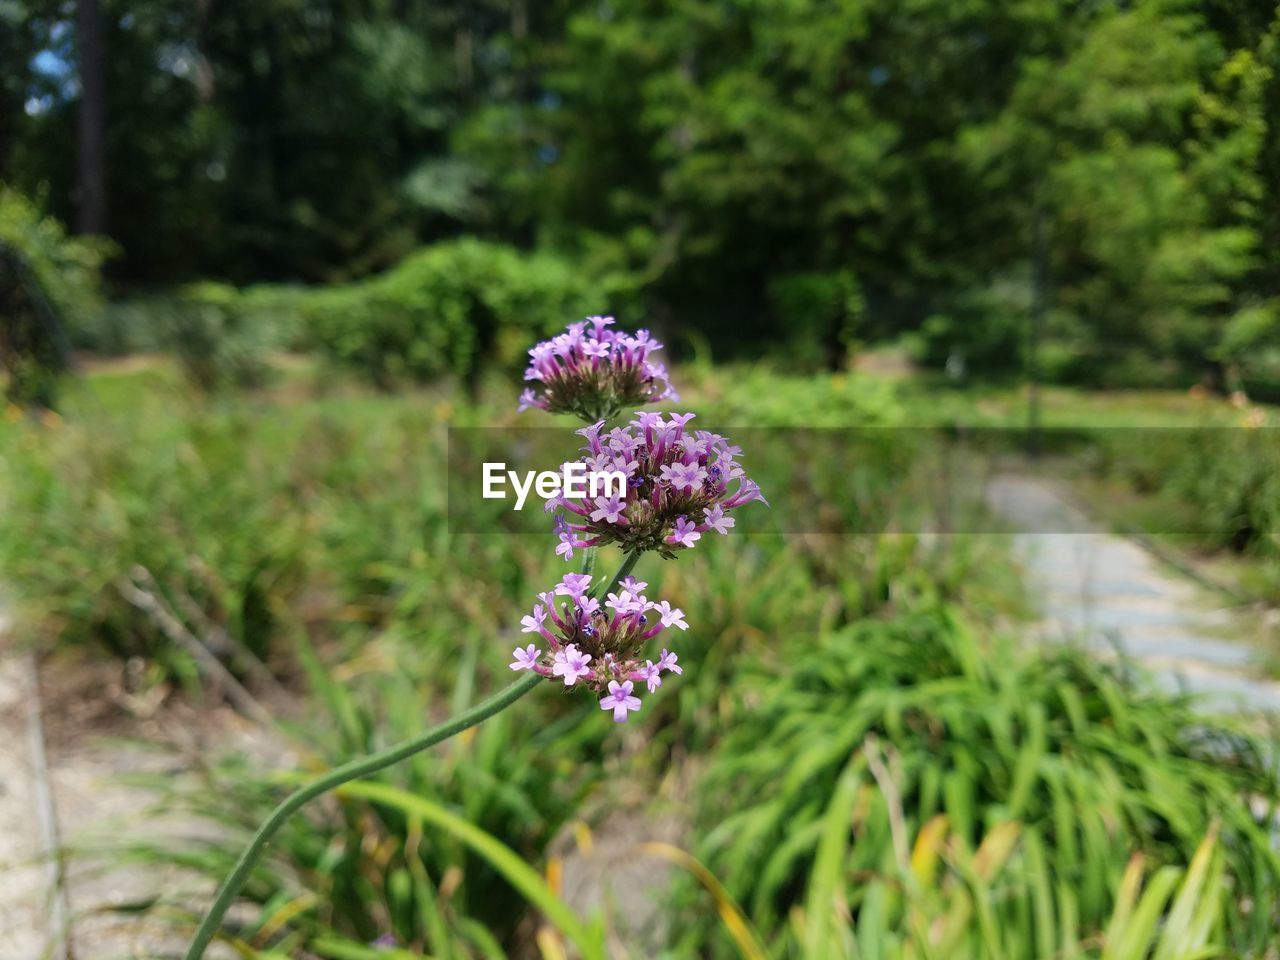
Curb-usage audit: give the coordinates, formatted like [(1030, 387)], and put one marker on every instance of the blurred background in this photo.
[(792, 178), (256, 260)]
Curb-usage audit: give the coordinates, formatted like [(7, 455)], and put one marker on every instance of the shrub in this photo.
[(222, 337), (449, 309), (820, 314), (218, 339), (982, 331), (48, 285), (66, 268)]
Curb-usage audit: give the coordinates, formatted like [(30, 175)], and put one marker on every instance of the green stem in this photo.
[(628, 564), (353, 770)]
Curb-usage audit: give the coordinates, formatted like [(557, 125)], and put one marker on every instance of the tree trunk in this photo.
[(92, 199)]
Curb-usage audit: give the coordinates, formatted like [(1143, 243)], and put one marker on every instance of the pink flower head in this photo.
[(596, 372), (620, 700), (594, 647), (677, 488)]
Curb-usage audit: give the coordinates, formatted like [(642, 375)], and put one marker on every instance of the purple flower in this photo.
[(670, 616), (526, 658), (624, 603), (716, 519), (571, 663), (565, 549), (595, 373), (747, 492), (685, 534), (533, 623), (593, 647), (528, 400), (650, 674), (573, 585), (384, 941), (679, 486), (610, 511), (687, 477), (620, 700)]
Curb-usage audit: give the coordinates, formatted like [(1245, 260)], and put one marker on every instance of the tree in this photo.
[(92, 120)]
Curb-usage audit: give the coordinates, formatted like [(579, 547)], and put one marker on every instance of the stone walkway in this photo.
[(1104, 591), (65, 806), (32, 908)]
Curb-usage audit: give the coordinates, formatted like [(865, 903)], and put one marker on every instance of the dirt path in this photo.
[(69, 736), (32, 907), (1106, 592)]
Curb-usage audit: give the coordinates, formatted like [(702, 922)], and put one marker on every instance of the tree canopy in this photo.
[(799, 172)]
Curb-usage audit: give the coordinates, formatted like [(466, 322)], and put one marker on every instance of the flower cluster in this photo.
[(595, 372), (677, 487), (599, 647)]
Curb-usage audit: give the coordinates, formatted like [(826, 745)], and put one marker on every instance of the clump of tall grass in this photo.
[(896, 760), (158, 531)]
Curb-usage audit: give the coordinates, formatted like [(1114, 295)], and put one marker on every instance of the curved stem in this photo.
[(336, 777), (362, 767)]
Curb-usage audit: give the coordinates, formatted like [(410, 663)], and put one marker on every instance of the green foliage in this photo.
[(1216, 487), (448, 309), (994, 797), (854, 690), (225, 515), (180, 510), (946, 890), (48, 285), (985, 330), (1137, 148), (433, 853), (788, 176), (218, 338), (819, 313), (760, 396), (65, 267)]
